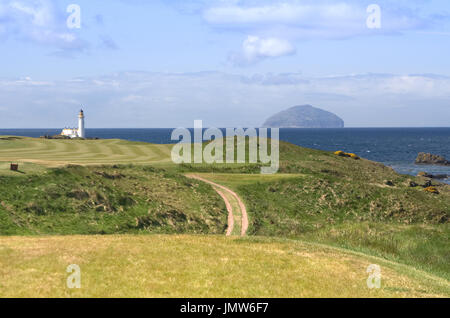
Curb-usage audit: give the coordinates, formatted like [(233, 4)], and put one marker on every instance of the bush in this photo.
[(347, 155), (432, 190), (340, 153), (352, 155)]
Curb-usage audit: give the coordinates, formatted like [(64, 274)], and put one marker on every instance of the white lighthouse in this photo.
[(81, 131), (74, 132)]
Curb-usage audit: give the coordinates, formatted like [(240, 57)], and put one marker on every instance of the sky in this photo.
[(230, 63)]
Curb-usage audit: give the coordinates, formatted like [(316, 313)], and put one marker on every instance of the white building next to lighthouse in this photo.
[(76, 132)]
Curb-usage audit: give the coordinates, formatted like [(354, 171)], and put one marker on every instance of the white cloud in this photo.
[(295, 20), (255, 48), (40, 22), (44, 22), (171, 100), (39, 15), (290, 20), (312, 19), (288, 13)]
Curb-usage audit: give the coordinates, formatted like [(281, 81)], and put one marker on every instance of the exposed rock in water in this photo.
[(305, 116), (429, 175), (430, 159)]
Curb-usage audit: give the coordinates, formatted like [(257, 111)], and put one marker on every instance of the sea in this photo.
[(394, 147)]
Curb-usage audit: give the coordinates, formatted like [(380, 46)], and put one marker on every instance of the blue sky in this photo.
[(233, 63)]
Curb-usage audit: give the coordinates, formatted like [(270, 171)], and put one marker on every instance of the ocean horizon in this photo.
[(394, 147)]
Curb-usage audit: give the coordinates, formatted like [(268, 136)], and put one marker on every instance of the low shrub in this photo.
[(432, 190), (347, 155)]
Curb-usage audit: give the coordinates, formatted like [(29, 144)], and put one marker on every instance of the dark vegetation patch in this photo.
[(107, 200)]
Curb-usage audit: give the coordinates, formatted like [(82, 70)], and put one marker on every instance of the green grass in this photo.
[(423, 246), (105, 200), (25, 168), (399, 223), (316, 197), (49, 152), (199, 266)]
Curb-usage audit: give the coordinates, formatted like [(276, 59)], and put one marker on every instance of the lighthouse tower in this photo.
[(81, 131)]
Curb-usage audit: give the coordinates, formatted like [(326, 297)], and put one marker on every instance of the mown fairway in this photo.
[(199, 266), (50, 152)]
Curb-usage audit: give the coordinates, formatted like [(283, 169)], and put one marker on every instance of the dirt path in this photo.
[(230, 212), (225, 192)]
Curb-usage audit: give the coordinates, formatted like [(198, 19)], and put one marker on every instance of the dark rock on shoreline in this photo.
[(412, 184), (424, 174), (430, 159), (428, 184), (68, 138), (431, 176), (440, 176)]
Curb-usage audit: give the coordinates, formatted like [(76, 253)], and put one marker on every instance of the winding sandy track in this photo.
[(230, 212), (219, 189)]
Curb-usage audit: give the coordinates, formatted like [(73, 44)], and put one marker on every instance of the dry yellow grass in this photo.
[(198, 266)]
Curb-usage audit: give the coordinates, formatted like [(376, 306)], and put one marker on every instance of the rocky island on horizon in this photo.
[(305, 116)]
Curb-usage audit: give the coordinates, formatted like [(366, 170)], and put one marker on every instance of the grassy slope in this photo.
[(105, 200), (198, 266), (343, 202), (317, 196)]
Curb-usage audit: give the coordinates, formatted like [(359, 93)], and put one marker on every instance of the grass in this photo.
[(399, 223), (56, 153), (422, 246), (199, 266), (25, 168), (317, 197), (106, 200)]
